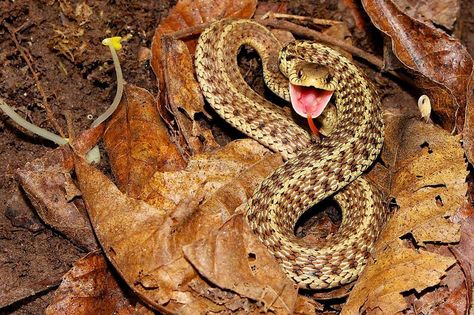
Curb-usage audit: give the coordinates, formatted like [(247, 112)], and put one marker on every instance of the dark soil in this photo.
[(63, 39)]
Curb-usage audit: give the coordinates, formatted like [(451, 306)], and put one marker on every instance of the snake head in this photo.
[(311, 88)]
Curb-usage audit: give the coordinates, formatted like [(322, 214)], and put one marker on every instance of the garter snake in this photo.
[(313, 170)]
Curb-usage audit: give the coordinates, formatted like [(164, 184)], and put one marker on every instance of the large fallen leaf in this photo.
[(442, 65), (149, 253), (428, 182), (234, 259), (137, 142), (90, 288), (51, 190), (395, 270)]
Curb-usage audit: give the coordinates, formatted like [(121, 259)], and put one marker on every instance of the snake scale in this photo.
[(313, 170)]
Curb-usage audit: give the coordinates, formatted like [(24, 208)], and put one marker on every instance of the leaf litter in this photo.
[(427, 197), (187, 249), (440, 64), (89, 287)]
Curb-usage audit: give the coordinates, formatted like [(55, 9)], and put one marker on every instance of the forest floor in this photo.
[(77, 77)]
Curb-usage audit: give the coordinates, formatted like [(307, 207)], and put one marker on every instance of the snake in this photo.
[(314, 170)]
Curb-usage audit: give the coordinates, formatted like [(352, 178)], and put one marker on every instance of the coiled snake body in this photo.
[(313, 171)]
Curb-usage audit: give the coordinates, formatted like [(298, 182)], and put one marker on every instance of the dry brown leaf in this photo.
[(148, 254), (396, 270), (184, 97), (266, 7), (90, 288), (464, 250), (398, 109), (461, 289), (20, 212), (438, 12), (453, 295), (441, 64), (204, 174), (428, 182), (137, 142), (188, 13), (234, 259), (353, 7), (468, 132), (52, 191)]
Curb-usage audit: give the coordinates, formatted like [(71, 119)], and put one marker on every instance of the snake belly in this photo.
[(313, 171)]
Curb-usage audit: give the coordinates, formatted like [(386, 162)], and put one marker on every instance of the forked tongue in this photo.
[(309, 102)]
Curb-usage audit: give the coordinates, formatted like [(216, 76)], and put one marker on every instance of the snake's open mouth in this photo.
[(308, 100)]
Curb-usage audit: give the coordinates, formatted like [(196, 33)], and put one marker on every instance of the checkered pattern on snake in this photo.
[(314, 170)]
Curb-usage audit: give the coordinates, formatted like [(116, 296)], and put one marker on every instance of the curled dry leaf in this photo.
[(149, 253), (137, 142), (90, 288), (51, 190), (441, 64), (184, 96), (429, 186)]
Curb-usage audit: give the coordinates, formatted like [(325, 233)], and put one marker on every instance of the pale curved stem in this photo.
[(118, 94), (29, 126)]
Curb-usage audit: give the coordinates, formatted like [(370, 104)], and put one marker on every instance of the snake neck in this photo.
[(249, 33)]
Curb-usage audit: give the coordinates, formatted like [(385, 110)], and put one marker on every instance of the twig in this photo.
[(70, 126), (316, 21), (306, 32), (189, 31), (28, 59)]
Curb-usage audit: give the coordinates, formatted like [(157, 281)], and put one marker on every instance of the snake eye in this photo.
[(328, 79), (300, 74)]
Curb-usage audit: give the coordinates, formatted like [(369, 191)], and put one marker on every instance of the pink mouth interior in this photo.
[(309, 100)]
